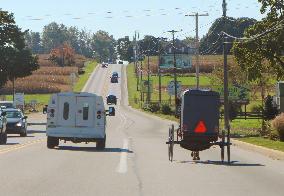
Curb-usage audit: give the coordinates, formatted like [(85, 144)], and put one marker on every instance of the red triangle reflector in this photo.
[(201, 127)]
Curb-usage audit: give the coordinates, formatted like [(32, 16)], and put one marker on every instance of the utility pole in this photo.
[(160, 39), (175, 68), (148, 78), (196, 15), (226, 83)]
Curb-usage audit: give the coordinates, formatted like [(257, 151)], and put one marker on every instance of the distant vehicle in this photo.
[(120, 62), (114, 74), (16, 122), (3, 125), (114, 77), (77, 117), (104, 65), (7, 104), (111, 99)]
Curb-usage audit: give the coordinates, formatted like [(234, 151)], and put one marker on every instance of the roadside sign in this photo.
[(72, 80), (171, 88), (144, 86), (235, 92), (19, 101), (183, 61)]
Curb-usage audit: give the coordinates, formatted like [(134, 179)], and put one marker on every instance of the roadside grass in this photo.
[(276, 145), (243, 130), (84, 78)]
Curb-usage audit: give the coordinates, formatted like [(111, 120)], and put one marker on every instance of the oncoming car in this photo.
[(3, 124), (111, 99), (16, 122), (114, 77)]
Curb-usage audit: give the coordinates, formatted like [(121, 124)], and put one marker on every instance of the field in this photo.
[(48, 71), (206, 62)]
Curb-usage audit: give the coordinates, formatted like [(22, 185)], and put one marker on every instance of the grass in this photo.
[(276, 145), (84, 78), (244, 130)]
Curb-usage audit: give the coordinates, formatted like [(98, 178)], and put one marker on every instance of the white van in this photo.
[(77, 117)]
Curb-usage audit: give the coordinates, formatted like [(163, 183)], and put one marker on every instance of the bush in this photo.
[(278, 124), (166, 109), (154, 107), (256, 108), (270, 111), (234, 109)]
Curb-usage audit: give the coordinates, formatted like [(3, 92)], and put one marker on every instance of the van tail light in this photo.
[(99, 116), (52, 111)]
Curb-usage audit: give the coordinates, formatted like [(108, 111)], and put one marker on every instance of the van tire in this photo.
[(101, 144), (24, 134), (3, 138), (52, 142)]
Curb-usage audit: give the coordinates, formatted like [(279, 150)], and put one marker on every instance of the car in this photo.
[(3, 125), (120, 62), (104, 65), (7, 104), (114, 79), (114, 74), (16, 122), (111, 99)]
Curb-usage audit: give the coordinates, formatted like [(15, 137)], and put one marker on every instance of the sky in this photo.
[(123, 17)]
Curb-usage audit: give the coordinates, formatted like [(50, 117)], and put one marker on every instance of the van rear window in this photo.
[(66, 111)]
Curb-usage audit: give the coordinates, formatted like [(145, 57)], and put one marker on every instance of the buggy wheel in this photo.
[(222, 146), (229, 149), (171, 143)]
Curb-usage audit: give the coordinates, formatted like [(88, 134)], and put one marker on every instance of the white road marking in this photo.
[(122, 167)]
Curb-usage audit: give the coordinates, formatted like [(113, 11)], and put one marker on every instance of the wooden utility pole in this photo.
[(175, 69), (196, 15), (226, 82)]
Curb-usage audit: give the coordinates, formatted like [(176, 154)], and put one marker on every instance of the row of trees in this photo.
[(16, 59), (100, 45)]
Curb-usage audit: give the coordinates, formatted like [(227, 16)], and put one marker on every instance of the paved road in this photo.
[(134, 163)]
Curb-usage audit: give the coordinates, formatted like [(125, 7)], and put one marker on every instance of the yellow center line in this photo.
[(20, 146)]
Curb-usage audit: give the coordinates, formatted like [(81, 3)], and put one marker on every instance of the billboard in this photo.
[(183, 61)]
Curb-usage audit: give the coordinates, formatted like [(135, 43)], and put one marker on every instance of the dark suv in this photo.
[(3, 124), (16, 122), (111, 99), (114, 77)]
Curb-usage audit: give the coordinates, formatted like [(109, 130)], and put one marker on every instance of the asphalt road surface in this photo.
[(135, 161)]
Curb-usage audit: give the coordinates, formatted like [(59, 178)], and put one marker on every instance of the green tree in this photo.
[(103, 45), (211, 43), (262, 51), (54, 35), (33, 41), (125, 48), (16, 60)]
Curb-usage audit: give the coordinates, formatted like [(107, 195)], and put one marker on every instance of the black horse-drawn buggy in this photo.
[(199, 124)]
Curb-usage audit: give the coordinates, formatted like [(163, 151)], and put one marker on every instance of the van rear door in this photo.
[(85, 111), (66, 113)]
